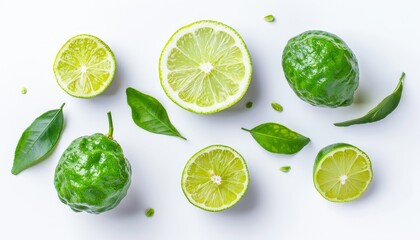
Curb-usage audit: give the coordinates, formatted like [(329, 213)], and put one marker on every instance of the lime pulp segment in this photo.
[(85, 66), (342, 173), (215, 178), (205, 67)]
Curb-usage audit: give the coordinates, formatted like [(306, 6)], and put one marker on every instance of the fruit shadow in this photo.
[(370, 192), (368, 196), (253, 93), (361, 97), (368, 81), (248, 203), (116, 83), (129, 206)]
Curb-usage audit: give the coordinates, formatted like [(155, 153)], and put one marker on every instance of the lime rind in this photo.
[(330, 151), (104, 84), (191, 161), (164, 71)]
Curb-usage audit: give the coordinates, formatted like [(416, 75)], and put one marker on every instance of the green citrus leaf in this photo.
[(38, 140), (277, 107), (150, 212), (383, 109), (149, 114), (285, 169), (248, 105), (277, 138), (269, 18)]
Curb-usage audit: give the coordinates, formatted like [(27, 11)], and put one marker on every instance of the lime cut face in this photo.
[(342, 172), (215, 178), (205, 67), (85, 66)]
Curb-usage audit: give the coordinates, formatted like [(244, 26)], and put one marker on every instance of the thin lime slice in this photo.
[(342, 172), (215, 178), (205, 67), (85, 66)]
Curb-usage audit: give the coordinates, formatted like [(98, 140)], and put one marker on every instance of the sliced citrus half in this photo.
[(205, 67), (215, 178), (85, 66), (342, 172)]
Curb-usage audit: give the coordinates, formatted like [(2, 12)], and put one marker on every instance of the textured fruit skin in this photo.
[(92, 175), (321, 69)]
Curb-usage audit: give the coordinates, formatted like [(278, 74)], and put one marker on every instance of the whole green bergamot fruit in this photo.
[(321, 69), (93, 175)]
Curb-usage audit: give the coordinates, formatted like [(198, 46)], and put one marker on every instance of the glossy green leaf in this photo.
[(383, 109), (248, 105), (285, 169), (277, 107), (38, 140), (149, 114), (150, 212), (269, 18), (277, 138)]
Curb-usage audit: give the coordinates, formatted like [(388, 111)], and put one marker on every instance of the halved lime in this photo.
[(85, 66), (215, 178), (205, 67), (342, 172)]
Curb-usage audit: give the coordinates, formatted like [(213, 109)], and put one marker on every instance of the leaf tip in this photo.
[(129, 90), (402, 76), (14, 171)]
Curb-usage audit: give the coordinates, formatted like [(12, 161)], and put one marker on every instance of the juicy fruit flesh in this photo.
[(205, 67), (85, 66), (216, 179), (343, 175)]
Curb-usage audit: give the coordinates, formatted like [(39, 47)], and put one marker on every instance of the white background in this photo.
[(384, 35)]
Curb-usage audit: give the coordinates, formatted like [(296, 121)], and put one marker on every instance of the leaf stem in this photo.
[(111, 126), (62, 105), (402, 76), (246, 129)]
